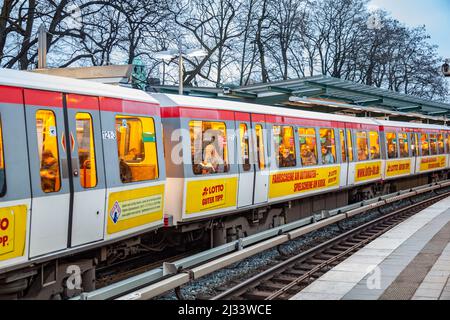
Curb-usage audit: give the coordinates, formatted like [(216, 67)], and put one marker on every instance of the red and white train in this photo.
[(91, 172)]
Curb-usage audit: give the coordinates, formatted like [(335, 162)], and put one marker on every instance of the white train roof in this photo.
[(170, 100), (39, 81)]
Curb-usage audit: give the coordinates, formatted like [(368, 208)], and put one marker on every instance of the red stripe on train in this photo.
[(127, 106), (76, 101), (11, 95), (43, 98)]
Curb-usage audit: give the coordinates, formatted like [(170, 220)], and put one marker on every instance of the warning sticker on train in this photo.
[(132, 208), (287, 183)]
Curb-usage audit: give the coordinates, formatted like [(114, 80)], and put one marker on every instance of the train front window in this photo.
[(47, 142), (86, 150), (362, 145), (308, 146), (209, 149), (328, 145), (441, 148), (391, 144), (136, 148), (374, 139), (424, 144), (2, 164), (403, 143), (433, 145), (285, 144), (245, 147)]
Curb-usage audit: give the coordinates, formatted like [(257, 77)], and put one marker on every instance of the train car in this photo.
[(80, 167)]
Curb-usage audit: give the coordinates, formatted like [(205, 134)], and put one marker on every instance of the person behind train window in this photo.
[(125, 172), (391, 151), (362, 155), (308, 157), (327, 156), (49, 171), (132, 155), (286, 159), (212, 159), (374, 153)]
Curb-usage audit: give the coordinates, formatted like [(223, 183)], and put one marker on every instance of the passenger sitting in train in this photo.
[(308, 157), (286, 159), (132, 155), (212, 160), (374, 153), (49, 171), (362, 155), (327, 156), (125, 172), (392, 153)]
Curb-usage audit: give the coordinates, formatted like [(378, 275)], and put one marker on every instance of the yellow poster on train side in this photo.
[(213, 194), (398, 167), (132, 208), (288, 183), (431, 163), (13, 223), (367, 171)]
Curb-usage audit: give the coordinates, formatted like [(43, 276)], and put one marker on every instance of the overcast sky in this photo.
[(434, 14)]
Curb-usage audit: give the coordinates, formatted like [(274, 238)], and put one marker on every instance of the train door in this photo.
[(262, 171), (87, 176), (246, 169), (48, 170)]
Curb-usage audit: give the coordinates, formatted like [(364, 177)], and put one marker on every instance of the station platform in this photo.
[(409, 262)]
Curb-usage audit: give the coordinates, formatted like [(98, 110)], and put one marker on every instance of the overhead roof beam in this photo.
[(280, 89), (243, 94), (369, 102), (409, 108)]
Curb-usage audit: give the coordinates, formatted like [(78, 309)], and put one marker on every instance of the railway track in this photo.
[(291, 275)]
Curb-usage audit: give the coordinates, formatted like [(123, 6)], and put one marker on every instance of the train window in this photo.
[(47, 141), (433, 145), (349, 146), (391, 143), (440, 143), (328, 145), (374, 139), (447, 142), (343, 150), (425, 146), (362, 145), (285, 144), (260, 146), (86, 150), (208, 147), (403, 144), (136, 148), (2, 164), (414, 145), (245, 148), (308, 146)]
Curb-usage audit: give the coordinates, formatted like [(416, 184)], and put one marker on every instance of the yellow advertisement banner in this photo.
[(132, 208), (431, 163), (13, 224), (398, 167), (299, 181), (207, 195), (368, 171)]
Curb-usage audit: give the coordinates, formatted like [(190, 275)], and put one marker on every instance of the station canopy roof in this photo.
[(328, 94)]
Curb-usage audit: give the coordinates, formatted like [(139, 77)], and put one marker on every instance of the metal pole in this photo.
[(42, 47), (180, 73)]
